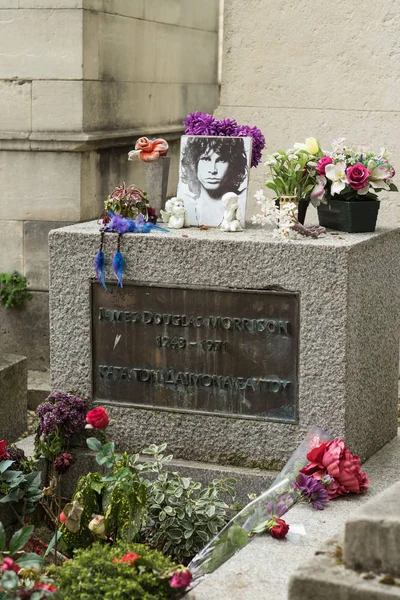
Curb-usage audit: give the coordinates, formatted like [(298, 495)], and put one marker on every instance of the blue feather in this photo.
[(150, 227), (118, 264), (99, 263)]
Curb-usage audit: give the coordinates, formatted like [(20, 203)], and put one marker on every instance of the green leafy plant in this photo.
[(141, 500), (104, 573), (181, 516), (13, 290), (20, 571), (22, 490), (292, 173)]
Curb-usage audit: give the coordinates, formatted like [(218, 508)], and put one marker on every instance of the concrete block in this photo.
[(329, 386), (372, 535), (57, 105), (121, 105), (38, 388), (10, 4), (36, 252), (41, 56), (11, 235), (13, 396), (273, 69), (284, 126), (184, 13), (191, 57), (41, 185), (124, 8), (326, 578), (15, 105), (26, 330)]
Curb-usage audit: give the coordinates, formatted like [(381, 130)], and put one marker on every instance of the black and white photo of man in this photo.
[(209, 168)]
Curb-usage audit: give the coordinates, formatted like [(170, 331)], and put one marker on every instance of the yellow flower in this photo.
[(312, 145)]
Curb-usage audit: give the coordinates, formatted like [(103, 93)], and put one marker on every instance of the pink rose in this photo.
[(181, 579), (335, 459), (321, 165), (357, 176)]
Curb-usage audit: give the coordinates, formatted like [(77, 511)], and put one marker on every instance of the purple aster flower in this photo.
[(62, 413), (312, 490), (227, 127), (199, 123)]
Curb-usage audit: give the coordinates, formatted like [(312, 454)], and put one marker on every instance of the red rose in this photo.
[(181, 579), (357, 176), (321, 165), (9, 565), (3, 454), (97, 418), (63, 518), (335, 459), (280, 529)]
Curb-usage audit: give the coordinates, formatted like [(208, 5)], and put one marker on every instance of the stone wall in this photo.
[(303, 69), (80, 81)]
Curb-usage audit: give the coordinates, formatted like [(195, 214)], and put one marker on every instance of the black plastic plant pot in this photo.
[(352, 217)]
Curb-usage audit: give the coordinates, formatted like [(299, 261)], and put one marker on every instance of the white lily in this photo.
[(317, 194), (378, 175), (337, 174)]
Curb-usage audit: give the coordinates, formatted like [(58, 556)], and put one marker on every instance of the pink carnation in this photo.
[(335, 459)]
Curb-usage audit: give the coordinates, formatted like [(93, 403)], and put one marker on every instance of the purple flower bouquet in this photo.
[(198, 123)]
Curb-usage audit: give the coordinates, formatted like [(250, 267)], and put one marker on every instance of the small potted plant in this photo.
[(293, 174), (348, 182)]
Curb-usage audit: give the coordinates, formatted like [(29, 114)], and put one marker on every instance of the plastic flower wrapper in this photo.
[(256, 516)]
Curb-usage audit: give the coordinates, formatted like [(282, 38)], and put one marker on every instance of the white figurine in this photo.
[(231, 220), (175, 215)]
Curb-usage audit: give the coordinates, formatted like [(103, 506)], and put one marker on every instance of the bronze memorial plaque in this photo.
[(216, 351)]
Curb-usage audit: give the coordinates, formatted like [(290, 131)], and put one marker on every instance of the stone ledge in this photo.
[(59, 141), (372, 535), (326, 578)]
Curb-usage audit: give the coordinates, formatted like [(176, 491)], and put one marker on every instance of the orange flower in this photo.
[(151, 150), (144, 144), (129, 558)]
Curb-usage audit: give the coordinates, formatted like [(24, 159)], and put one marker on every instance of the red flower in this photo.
[(97, 418), (63, 518), (357, 176), (280, 529), (181, 579), (9, 565), (129, 558), (335, 459), (3, 454), (45, 586), (322, 163)]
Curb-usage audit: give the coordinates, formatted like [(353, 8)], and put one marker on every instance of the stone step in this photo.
[(38, 388), (372, 534)]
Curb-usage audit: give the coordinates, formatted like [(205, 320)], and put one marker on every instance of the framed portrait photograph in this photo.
[(209, 167)]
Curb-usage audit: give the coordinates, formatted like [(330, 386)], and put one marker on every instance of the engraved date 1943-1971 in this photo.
[(181, 343)]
